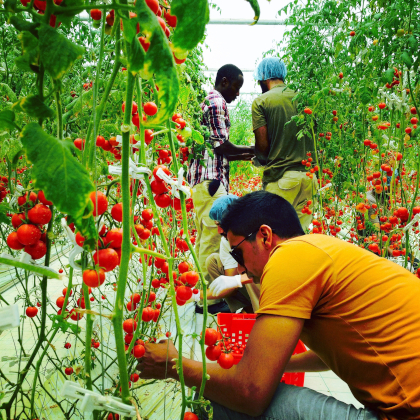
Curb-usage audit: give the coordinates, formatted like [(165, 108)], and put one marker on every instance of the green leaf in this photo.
[(365, 95), (34, 107), (57, 52), (23, 25), (4, 219), (5, 90), (59, 323), (29, 60), (407, 59), (192, 18), (158, 63), (13, 149), (256, 8), (389, 75), (7, 120), (57, 172), (413, 44), (197, 137)]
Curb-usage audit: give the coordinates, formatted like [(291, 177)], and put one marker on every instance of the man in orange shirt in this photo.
[(358, 314)]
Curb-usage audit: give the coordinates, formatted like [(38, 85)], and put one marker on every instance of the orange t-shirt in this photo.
[(362, 317)]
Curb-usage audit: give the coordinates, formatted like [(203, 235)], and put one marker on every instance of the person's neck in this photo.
[(274, 82)]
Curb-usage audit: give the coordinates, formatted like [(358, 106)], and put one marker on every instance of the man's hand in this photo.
[(157, 362), (225, 284)]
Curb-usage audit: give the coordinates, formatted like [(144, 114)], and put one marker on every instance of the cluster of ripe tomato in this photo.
[(222, 349), (29, 222)]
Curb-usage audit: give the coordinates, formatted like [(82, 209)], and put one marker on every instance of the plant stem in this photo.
[(117, 318)]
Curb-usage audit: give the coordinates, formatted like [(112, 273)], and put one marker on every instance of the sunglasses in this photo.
[(237, 253)]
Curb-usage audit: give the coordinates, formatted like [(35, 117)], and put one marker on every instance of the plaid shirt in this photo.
[(216, 118)]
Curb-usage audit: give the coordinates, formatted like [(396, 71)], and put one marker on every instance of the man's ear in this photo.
[(267, 235)]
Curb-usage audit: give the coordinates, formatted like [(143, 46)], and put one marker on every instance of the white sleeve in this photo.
[(226, 259)]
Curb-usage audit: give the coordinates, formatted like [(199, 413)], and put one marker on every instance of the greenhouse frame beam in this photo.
[(244, 22)]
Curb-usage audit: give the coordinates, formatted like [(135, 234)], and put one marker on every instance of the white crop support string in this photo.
[(136, 171), (175, 183), (325, 187), (415, 219), (18, 192), (76, 250), (90, 400)]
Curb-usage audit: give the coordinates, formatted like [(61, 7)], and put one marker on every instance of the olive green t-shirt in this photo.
[(273, 109)]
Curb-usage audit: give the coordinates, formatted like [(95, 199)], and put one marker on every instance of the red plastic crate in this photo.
[(239, 326)]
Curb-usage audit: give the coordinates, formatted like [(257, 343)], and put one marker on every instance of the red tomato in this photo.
[(13, 242), (184, 293), (31, 311), (163, 200), (210, 337), (148, 135), (93, 278), (192, 278), (100, 141), (226, 360), (37, 250), (153, 5), (96, 14), (190, 416), (80, 240), (183, 267), (147, 214), (165, 170), (39, 214), (129, 325), (114, 238), (150, 108), (134, 377), (158, 187), (68, 370), (102, 202), (147, 314), (28, 234), (213, 352), (117, 212), (18, 219), (106, 258), (138, 351)]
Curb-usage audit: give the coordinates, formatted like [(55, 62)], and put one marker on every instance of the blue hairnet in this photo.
[(270, 68), (220, 205)]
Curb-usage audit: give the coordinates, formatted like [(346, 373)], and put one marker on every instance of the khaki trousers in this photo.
[(297, 189), (208, 240)]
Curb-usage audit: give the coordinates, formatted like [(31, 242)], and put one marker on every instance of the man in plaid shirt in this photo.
[(211, 180)]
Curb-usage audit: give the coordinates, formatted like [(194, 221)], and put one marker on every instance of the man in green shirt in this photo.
[(276, 144)]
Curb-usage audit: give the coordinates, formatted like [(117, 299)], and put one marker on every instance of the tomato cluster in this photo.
[(222, 349), (29, 223)]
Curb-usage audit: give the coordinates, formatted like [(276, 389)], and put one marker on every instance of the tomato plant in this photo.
[(97, 124)]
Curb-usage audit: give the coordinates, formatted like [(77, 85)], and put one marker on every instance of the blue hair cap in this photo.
[(270, 68), (220, 205)]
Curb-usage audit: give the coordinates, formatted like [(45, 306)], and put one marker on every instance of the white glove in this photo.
[(224, 283)]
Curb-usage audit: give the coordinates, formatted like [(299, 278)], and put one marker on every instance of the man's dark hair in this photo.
[(258, 208), (229, 71)]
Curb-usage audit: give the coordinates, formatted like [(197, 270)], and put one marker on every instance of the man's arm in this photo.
[(247, 387), (233, 152), (306, 362), (262, 144)]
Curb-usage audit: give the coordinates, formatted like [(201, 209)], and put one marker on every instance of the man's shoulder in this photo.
[(274, 96), (214, 99)]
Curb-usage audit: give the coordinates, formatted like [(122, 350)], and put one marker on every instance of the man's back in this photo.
[(362, 317), (274, 109)]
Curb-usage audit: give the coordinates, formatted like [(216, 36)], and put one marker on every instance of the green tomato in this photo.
[(400, 33)]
